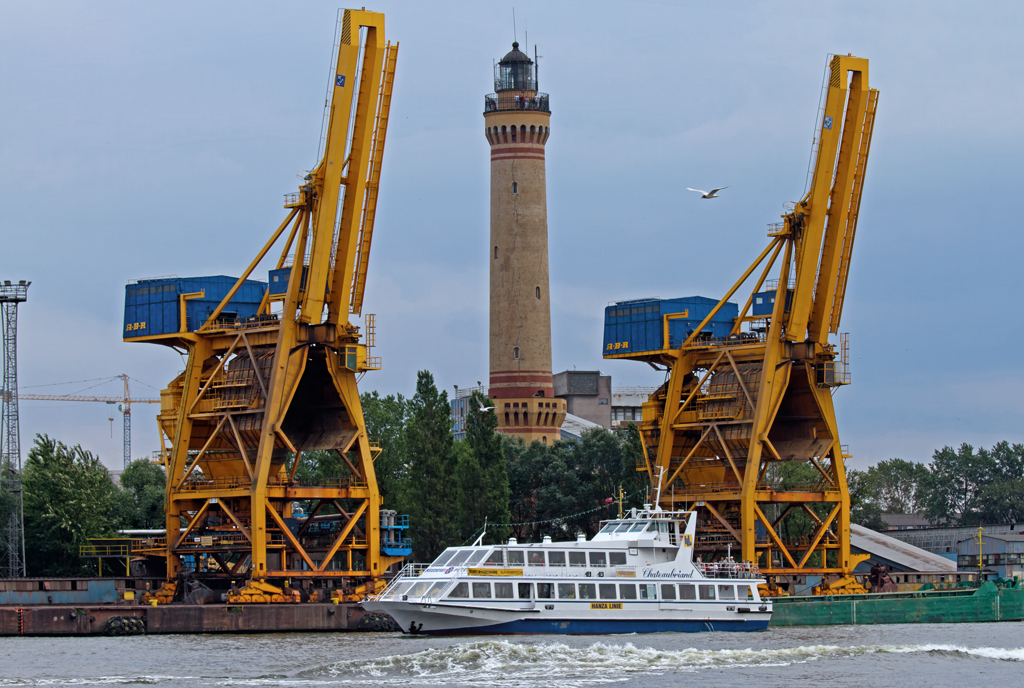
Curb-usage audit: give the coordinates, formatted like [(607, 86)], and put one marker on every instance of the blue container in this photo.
[(152, 307), (279, 280), (637, 326), (764, 302)]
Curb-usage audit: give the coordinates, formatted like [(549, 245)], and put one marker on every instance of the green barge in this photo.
[(987, 602)]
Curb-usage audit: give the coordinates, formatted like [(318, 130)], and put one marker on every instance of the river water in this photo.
[(960, 655)]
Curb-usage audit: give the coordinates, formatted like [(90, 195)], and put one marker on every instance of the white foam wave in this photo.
[(504, 663)]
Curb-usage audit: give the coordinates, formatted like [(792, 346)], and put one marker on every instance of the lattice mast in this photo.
[(736, 407), (12, 527), (259, 393)]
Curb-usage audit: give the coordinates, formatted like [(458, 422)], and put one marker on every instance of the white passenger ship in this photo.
[(637, 575)]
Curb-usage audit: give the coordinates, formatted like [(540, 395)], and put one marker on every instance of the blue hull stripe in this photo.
[(587, 627)]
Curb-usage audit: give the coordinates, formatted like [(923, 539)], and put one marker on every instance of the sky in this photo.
[(144, 139)]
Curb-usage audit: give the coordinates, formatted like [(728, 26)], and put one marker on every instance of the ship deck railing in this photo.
[(734, 569)]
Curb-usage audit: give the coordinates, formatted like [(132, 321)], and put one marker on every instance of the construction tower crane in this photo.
[(750, 388), (125, 401), (272, 366)]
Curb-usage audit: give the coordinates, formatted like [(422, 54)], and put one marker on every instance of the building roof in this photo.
[(897, 551), (516, 55), (1005, 537), (576, 426), (913, 520)]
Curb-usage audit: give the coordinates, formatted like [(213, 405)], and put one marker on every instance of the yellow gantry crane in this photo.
[(271, 372), (749, 391)]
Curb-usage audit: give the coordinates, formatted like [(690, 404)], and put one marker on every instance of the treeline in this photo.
[(959, 487), (449, 487), (68, 496)]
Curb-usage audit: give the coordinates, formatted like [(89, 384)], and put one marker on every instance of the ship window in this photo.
[(627, 591), (588, 591), (436, 590), (687, 592), (445, 556), (545, 591), (566, 591), (637, 527), (399, 590), (662, 527), (598, 559), (617, 558), (743, 592), (609, 528), (460, 557), (460, 591), (556, 558), (535, 558), (515, 556), (482, 591), (607, 591), (624, 528), (477, 556), (495, 559), (503, 591), (668, 591), (526, 591), (420, 589), (649, 592), (726, 592), (577, 558), (707, 592)]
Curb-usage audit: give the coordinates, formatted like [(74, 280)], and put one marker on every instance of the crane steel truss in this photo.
[(12, 523), (734, 408), (257, 392)]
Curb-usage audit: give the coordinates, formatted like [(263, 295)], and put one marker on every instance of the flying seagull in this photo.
[(485, 410), (708, 194)]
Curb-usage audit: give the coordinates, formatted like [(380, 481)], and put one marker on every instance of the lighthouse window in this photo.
[(537, 292), (495, 253), (515, 185), (515, 353)]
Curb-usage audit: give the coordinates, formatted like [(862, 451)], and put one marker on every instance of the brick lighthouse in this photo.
[(517, 118)]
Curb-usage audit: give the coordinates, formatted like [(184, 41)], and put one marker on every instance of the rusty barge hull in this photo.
[(57, 620)]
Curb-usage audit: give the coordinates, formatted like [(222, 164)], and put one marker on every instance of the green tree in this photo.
[(430, 490), (899, 486), (525, 464), (67, 496), (955, 485), (140, 501), (385, 419), (481, 474), (864, 502)]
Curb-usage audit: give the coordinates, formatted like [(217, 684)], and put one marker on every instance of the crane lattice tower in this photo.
[(12, 527), (517, 125)]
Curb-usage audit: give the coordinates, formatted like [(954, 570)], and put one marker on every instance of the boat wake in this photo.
[(503, 663)]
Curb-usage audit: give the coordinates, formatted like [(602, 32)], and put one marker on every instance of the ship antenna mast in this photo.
[(479, 541)]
